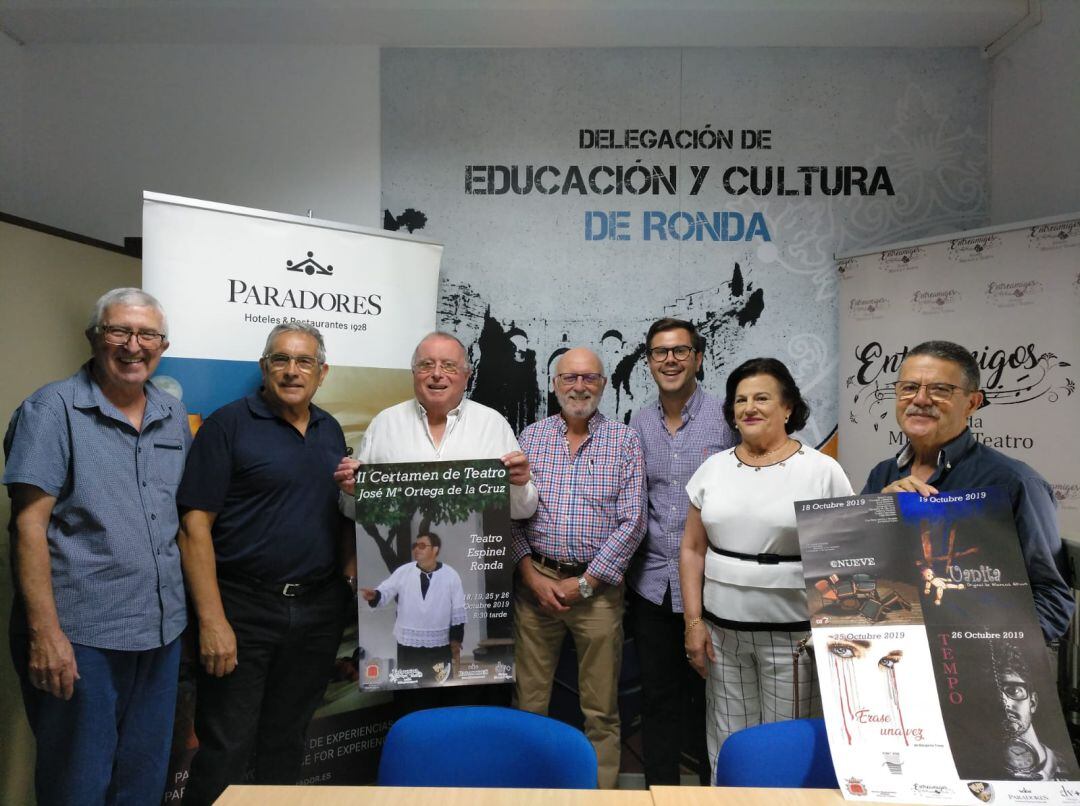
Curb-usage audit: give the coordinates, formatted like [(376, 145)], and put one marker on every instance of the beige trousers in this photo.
[(596, 627)]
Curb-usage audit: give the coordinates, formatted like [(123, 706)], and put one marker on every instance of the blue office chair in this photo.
[(486, 746), (791, 754)]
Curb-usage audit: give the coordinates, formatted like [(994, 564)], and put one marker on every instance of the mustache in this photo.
[(923, 411)]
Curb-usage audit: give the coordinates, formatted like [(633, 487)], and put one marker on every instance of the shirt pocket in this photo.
[(600, 485), (168, 459)]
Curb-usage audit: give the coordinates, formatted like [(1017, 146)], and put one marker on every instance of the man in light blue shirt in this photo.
[(93, 463), (679, 430)]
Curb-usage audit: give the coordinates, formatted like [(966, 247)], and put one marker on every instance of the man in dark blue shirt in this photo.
[(264, 549), (938, 389)]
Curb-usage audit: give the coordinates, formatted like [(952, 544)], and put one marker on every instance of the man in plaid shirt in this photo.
[(572, 554)]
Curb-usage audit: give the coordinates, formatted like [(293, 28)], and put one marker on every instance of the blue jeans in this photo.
[(108, 744)]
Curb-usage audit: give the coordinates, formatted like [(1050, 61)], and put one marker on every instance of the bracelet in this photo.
[(691, 624), (352, 583)]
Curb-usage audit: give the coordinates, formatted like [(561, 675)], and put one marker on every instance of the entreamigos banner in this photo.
[(1011, 296), (226, 275)]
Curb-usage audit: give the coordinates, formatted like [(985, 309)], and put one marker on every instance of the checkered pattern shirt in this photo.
[(592, 505), (670, 461)]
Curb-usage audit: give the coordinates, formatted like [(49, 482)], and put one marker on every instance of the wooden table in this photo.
[(443, 796), (730, 796)]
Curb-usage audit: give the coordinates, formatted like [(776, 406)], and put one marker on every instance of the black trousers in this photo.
[(286, 647), (672, 693)]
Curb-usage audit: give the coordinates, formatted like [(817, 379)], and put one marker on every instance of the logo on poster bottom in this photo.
[(855, 786), (982, 790)]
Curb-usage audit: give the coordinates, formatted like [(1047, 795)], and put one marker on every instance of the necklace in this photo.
[(758, 457)]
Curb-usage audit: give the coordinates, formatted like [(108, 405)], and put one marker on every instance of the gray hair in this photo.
[(134, 297), (442, 334), (951, 351), (297, 327)]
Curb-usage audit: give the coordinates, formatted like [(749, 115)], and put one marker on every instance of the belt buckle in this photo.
[(287, 588), (768, 559)]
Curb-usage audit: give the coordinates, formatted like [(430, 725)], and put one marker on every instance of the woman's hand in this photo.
[(699, 648)]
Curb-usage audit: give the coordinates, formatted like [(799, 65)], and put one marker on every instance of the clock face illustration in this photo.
[(1020, 757)]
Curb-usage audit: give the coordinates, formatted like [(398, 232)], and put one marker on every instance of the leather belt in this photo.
[(287, 589), (761, 559), (566, 569)]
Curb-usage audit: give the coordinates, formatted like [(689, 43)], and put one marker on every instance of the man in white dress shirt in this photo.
[(439, 424)]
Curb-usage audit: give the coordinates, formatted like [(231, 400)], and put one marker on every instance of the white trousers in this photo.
[(753, 681)]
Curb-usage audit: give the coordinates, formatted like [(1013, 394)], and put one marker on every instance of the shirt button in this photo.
[(144, 484), (153, 517)]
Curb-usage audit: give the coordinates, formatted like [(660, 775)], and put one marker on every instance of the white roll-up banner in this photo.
[(225, 276)]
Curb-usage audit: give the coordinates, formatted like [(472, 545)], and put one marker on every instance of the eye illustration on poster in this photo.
[(878, 683)]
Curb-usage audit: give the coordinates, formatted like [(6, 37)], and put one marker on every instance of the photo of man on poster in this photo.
[(430, 599), (1026, 756)]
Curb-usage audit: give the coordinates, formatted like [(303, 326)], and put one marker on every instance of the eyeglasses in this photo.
[(570, 378), (680, 351), (938, 392), (279, 362), (421, 546), (1015, 691), (118, 336), (427, 366)]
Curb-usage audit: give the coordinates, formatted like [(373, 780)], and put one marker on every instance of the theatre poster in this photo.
[(935, 679), (414, 603)]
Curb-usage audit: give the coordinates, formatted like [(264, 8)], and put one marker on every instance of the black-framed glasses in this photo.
[(419, 545), (570, 378), (117, 335), (1015, 691), (680, 351), (938, 392), (279, 362), (427, 366)]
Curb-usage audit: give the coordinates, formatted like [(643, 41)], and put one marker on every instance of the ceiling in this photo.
[(517, 23)]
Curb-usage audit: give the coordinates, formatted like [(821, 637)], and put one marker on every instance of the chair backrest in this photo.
[(486, 746), (792, 754)]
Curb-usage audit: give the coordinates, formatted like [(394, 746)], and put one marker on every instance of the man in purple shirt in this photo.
[(572, 554), (678, 431)]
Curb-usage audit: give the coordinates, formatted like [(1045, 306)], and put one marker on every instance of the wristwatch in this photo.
[(585, 588)]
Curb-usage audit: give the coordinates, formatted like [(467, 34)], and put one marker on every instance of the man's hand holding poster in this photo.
[(911, 596)]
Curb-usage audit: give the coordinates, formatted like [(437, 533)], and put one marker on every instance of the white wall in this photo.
[(284, 128), (1035, 119), (11, 83)]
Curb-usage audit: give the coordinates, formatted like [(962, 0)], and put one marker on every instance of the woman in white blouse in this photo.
[(744, 597)]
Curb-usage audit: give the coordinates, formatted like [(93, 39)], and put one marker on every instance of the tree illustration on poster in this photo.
[(455, 501)]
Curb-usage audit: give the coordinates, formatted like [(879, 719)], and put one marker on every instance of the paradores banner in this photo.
[(226, 275)]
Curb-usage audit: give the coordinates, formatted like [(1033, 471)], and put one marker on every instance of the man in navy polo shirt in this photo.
[(265, 553), (936, 392), (92, 467)]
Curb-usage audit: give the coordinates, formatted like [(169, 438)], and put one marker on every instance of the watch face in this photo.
[(1020, 757)]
